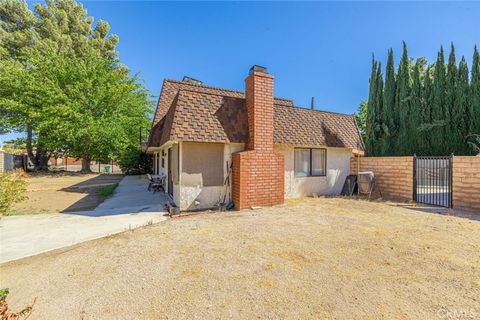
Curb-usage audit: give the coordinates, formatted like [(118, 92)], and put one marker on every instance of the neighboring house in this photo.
[(278, 150)]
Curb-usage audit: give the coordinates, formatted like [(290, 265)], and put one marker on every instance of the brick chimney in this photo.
[(258, 174), (259, 100)]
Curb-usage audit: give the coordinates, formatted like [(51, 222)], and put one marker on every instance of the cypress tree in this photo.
[(463, 112), (379, 136), (389, 125), (438, 108), (402, 105), (427, 116), (450, 132), (475, 91), (371, 110), (417, 108)]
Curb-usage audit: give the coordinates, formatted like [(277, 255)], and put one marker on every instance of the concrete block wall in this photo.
[(394, 175), (466, 183)]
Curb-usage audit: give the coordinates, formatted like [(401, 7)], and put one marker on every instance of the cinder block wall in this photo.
[(466, 183), (258, 177), (394, 175)]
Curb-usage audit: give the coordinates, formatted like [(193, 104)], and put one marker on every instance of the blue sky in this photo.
[(319, 49)]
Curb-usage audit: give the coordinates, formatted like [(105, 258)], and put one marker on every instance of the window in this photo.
[(310, 162)]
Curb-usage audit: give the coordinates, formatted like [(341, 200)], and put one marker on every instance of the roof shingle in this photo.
[(193, 112)]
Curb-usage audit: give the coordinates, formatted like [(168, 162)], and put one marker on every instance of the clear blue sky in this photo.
[(318, 49)]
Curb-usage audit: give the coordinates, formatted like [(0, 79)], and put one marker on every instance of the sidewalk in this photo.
[(131, 206)]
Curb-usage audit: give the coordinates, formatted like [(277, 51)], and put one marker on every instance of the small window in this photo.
[(310, 162)]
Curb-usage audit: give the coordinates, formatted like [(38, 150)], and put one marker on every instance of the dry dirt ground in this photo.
[(316, 258), (61, 192)]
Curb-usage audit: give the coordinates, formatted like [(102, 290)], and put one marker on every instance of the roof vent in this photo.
[(257, 68), (191, 80)]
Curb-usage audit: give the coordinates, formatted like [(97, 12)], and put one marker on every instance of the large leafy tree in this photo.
[(60, 79)]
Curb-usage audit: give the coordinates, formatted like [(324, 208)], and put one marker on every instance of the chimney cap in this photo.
[(257, 68), (188, 79)]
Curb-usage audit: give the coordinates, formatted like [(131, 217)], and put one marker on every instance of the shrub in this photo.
[(135, 161), (6, 314), (12, 190)]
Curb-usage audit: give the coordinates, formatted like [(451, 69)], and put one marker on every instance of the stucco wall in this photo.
[(338, 167), (192, 194)]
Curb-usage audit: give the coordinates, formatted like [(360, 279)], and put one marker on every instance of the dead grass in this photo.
[(324, 258), (58, 192)]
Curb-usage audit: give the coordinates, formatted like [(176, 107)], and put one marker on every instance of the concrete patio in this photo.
[(131, 206)]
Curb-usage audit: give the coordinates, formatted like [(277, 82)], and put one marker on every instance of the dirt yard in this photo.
[(323, 258), (61, 192)]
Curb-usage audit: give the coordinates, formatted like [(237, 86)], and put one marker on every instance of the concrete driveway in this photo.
[(131, 206)]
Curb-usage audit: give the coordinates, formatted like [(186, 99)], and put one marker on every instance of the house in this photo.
[(268, 148)]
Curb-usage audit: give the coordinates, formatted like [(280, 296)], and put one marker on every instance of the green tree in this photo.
[(361, 117), (426, 116), (371, 111), (462, 114), (417, 108), (438, 107), (389, 126), (402, 141), (24, 35), (450, 132), (475, 90), (94, 107)]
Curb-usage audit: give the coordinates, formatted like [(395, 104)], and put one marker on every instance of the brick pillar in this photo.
[(258, 173)]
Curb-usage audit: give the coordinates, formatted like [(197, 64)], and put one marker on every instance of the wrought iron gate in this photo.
[(432, 180)]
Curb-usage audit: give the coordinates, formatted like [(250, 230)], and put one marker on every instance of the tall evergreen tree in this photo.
[(449, 131), (379, 135), (389, 126), (462, 112), (371, 111), (402, 141), (475, 90), (427, 116), (438, 107), (417, 107)]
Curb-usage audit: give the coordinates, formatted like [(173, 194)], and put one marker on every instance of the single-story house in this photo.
[(217, 145)]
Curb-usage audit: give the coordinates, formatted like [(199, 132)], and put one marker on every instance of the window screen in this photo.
[(302, 162), (318, 162), (205, 159)]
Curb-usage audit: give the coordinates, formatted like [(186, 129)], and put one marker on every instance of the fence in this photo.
[(393, 174), (6, 161), (74, 165), (395, 178)]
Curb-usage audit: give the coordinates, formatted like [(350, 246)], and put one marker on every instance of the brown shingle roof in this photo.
[(193, 112)]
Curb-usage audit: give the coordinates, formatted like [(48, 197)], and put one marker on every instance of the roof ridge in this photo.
[(215, 88), (323, 111), (203, 86)]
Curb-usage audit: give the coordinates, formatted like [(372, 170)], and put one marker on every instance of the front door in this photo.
[(170, 177)]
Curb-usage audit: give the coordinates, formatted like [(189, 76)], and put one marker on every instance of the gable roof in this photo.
[(195, 112)]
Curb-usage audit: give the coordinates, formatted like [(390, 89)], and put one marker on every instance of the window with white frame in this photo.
[(310, 162)]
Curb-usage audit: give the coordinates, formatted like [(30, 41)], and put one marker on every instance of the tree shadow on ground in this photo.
[(91, 189)]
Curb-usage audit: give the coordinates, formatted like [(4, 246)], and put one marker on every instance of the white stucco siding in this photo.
[(337, 169)]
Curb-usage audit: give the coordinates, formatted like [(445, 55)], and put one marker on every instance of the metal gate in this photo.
[(432, 180)]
